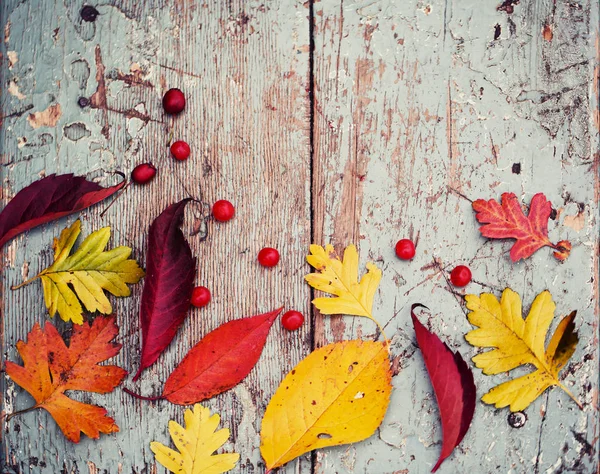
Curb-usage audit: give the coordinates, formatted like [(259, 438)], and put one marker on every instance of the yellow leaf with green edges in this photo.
[(337, 395), (195, 445), (340, 279), (516, 341), (82, 276)]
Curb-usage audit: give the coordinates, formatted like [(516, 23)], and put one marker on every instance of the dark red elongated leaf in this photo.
[(220, 361), (170, 270), (453, 386), (47, 199)]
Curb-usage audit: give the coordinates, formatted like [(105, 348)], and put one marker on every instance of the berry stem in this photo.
[(141, 397), (115, 199)]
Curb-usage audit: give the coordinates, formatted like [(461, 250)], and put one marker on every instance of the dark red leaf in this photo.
[(170, 270), (453, 385), (48, 199), (220, 361)]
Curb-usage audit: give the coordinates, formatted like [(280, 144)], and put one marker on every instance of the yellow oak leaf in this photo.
[(196, 444), (340, 278), (85, 274), (517, 341), (338, 394)]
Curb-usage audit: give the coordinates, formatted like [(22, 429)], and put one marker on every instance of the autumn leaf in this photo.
[(48, 199), (51, 368), (85, 274), (338, 394), (340, 278), (221, 360), (196, 444), (517, 342), (168, 286), (453, 385), (507, 221)]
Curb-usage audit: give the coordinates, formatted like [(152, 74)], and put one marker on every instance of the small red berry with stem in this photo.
[(173, 101), (143, 173), (180, 150), (405, 249), (223, 210), (200, 296), (460, 276), (268, 257), (292, 320)]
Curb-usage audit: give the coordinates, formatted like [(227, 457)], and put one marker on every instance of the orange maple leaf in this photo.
[(507, 221), (51, 368)]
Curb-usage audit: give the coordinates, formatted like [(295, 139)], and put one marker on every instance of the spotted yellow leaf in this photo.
[(517, 341), (340, 279), (82, 277), (196, 444), (338, 394)]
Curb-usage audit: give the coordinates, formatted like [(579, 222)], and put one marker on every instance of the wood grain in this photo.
[(377, 121)]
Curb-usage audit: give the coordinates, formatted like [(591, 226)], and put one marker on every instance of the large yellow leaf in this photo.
[(338, 394), (340, 278), (196, 444), (516, 342), (86, 274)]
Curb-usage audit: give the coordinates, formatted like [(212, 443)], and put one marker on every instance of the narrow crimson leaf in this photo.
[(453, 385), (170, 270), (220, 361), (507, 221), (48, 199)]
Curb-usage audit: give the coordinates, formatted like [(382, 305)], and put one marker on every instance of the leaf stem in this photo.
[(20, 412), (26, 282), (380, 328), (141, 397), (571, 395)]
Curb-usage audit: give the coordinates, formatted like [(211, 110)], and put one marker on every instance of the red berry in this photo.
[(143, 173), (223, 210), (173, 101), (200, 296), (292, 320), (268, 257), (460, 276), (180, 150), (405, 249)]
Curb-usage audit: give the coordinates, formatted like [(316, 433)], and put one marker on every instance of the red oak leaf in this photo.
[(453, 386), (170, 270), (48, 199), (507, 221), (221, 360)]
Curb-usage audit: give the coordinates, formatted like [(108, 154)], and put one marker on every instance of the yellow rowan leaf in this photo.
[(338, 394), (517, 342), (340, 278), (196, 444), (85, 274)]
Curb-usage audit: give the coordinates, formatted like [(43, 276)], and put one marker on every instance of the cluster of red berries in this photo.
[(460, 276)]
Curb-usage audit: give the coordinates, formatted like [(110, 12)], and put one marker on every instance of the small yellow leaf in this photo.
[(196, 444), (338, 394), (340, 278), (517, 342), (82, 277)]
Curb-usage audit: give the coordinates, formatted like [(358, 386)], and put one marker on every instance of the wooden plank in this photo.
[(419, 107), (244, 68)]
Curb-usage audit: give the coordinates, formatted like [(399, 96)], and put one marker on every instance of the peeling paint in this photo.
[(45, 118), (13, 89), (13, 58)]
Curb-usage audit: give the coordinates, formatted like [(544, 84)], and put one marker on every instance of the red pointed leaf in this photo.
[(170, 270), (453, 385), (48, 199), (507, 221), (220, 361)]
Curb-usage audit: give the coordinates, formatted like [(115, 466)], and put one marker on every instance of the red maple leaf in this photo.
[(507, 221)]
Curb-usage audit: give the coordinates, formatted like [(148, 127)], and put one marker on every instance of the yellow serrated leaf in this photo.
[(517, 342), (196, 444), (340, 278), (83, 276), (338, 394)]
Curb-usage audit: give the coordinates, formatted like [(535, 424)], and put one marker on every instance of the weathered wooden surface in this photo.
[(411, 108)]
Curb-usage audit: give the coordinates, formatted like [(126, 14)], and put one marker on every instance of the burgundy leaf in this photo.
[(453, 386), (170, 270), (48, 199)]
